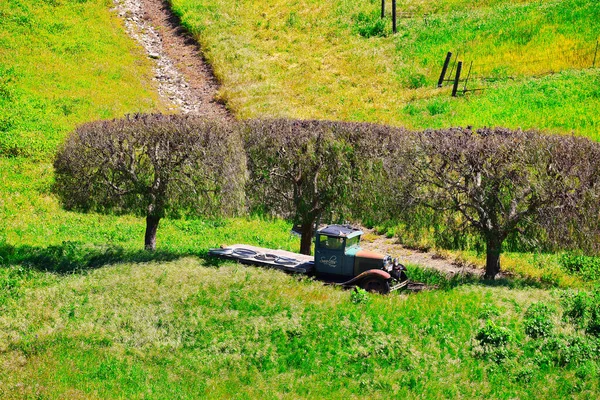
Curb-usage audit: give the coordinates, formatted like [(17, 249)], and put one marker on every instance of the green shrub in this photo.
[(488, 310), (585, 266), (437, 107), (369, 25), (359, 295), (494, 342), (564, 350), (593, 325), (538, 321), (416, 81), (583, 310), (494, 335)]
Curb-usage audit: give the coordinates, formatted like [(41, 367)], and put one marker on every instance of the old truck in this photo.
[(338, 260)]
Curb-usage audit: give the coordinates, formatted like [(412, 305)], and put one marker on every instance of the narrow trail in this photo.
[(185, 81)]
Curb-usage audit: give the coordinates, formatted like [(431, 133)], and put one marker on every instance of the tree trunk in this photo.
[(307, 237), (492, 261), (151, 228)]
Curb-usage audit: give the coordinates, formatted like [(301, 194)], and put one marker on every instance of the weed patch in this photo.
[(359, 295), (370, 25), (538, 321), (494, 342), (585, 266)]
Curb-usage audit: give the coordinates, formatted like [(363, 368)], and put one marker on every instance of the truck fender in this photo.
[(372, 272)]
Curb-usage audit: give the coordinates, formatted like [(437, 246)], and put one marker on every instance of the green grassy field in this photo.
[(86, 313), (335, 60), (186, 329), (56, 73)]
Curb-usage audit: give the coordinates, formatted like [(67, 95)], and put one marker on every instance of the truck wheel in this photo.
[(375, 284)]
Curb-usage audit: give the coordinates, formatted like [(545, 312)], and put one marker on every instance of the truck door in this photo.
[(329, 254)]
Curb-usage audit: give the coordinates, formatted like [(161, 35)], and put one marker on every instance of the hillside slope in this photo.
[(63, 63), (86, 313), (338, 60), (184, 330)]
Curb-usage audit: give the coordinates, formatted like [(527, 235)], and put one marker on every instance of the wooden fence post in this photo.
[(456, 78), (394, 28), (444, 69), (468, 76), (382, 9)]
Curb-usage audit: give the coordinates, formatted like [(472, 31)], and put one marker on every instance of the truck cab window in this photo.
[(331, 243), (352, 241)]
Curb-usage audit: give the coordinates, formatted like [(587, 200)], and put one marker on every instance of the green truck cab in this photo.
[(338, 253)]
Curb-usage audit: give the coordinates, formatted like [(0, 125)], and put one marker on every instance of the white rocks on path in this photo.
[(173, 87)]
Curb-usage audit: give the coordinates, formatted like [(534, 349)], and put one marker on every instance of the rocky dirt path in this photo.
[(185, 80), (391, 246)]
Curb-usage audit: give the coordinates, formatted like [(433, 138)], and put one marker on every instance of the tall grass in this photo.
[(182, 329), (334, 60)]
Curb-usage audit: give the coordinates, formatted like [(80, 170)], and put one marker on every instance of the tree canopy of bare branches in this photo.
[(502, 181), (297, 170), (154, 166)]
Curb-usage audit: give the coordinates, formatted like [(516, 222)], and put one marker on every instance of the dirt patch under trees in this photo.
[(390, 246)]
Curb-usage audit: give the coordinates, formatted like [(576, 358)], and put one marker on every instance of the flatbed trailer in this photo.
[(278, 259)]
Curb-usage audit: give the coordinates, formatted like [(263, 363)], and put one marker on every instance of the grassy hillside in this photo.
[(85, 313), (64, 62), (114, 321), (337, 60)]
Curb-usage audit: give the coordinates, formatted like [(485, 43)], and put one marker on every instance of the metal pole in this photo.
[(394, 29), (444, 69), (456, 79), (468, 76), (382, 9)]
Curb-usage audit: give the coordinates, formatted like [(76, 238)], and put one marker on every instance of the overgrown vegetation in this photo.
[(311, 171), (500, 183), (174, 324), (357, 71), (298, 170), (586, 267), (550, 341), (497, 183), (167, 328)]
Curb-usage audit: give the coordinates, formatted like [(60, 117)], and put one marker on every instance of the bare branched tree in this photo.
[(499, 181), (298, 169), (152, 165)]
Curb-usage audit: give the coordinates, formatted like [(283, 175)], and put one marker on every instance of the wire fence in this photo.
[(474, 76)]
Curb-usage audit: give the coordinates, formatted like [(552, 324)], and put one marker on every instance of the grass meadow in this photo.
[(86, 313), (338, 60), (187, 330)]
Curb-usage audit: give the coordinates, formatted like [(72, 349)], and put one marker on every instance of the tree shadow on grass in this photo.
[(76, 257)]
